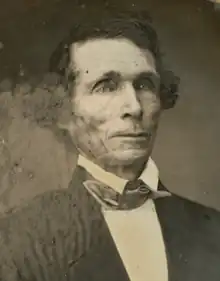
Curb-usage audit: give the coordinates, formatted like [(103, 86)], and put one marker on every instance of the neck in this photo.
[(129, 172)]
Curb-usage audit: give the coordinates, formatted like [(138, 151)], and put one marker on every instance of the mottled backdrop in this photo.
[(188, 146)]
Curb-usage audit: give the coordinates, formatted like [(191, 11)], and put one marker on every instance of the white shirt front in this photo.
[(137, 233)]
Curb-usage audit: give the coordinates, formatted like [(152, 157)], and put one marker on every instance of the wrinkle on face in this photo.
[(99, 114)]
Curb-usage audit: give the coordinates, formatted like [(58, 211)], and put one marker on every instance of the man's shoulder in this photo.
[(191, 232), (189, 212), (188, 206), (50, 223)]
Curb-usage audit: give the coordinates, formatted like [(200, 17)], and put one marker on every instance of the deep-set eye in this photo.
[(106, 85), (145, 84)]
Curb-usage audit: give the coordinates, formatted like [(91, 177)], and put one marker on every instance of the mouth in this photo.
[(134, 135)]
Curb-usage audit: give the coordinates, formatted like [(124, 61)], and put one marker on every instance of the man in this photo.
[(115, 221)]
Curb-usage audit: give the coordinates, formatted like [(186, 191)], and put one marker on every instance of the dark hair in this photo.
[(135, 26)]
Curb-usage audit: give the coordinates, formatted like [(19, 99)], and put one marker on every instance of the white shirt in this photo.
[(137, 233)]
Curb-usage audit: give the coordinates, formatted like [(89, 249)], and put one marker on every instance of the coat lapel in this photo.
[(103, 262)]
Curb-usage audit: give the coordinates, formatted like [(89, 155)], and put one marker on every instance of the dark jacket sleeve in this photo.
[(45, 239)]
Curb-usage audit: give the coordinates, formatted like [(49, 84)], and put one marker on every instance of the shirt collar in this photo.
[(150, 174)]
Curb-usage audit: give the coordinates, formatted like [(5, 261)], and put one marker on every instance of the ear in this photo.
[(169, 91)]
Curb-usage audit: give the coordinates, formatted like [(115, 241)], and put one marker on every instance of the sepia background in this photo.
[(187, 150)]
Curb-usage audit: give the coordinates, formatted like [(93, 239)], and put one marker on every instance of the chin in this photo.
[(129, 156)]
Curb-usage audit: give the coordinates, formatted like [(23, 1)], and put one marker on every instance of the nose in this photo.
[(131, 105)]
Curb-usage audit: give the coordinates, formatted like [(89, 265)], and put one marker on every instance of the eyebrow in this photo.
[(115, 74), (148, 74), (107, 75)]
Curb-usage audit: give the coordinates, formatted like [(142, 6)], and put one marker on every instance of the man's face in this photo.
[(115, 101)]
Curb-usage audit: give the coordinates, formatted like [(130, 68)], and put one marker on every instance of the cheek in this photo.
[(87, 116), (152, 111), (94, 109), (87, 135)]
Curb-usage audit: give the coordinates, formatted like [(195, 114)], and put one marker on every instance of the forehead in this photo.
[(96, 57)]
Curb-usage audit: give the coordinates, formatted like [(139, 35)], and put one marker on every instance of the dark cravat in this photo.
[(134, 195)]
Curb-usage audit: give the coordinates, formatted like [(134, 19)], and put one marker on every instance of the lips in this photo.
[(133, 135)]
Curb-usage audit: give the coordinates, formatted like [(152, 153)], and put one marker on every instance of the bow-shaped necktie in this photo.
[(134, 194)]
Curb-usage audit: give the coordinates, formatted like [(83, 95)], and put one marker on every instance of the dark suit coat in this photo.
[(62, 235)]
